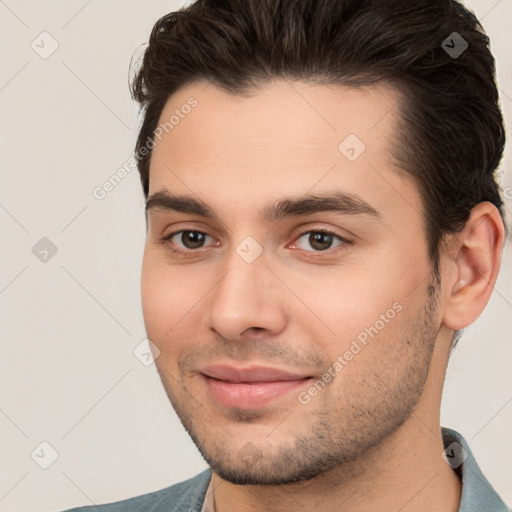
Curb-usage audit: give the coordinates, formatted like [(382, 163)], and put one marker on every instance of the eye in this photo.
[(188, 238), (322, 240), (187, 241)]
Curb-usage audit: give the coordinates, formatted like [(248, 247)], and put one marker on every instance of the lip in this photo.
[(250, 387), (252, 373)]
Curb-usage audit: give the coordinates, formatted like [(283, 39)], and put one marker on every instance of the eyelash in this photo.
[(189, 252)]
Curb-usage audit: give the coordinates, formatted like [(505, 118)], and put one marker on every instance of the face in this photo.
[(285, 278)]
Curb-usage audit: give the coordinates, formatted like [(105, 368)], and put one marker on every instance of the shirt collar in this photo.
[(477, 492), (208, 505)]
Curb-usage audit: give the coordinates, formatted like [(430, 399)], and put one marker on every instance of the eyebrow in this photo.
[(337, 201)]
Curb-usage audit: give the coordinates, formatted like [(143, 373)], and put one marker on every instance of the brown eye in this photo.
[(185, 240), (321, 240), (192, 239)]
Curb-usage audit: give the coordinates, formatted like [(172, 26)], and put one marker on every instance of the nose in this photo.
[(247, 300)]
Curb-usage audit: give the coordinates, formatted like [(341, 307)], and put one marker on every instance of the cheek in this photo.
[(356, 305), (345, 302), (171, 301), (161, 296), (154, 301)]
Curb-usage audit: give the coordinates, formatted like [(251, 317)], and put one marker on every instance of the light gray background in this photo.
[(69, 326)]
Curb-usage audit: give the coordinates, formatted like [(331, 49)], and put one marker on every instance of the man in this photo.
[(323, 221)]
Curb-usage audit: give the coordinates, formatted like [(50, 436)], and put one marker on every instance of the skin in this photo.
[(370, 439)]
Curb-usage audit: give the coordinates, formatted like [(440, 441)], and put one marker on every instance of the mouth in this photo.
[(250, 387)]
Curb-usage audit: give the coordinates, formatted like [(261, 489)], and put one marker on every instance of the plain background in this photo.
[(69, 376)]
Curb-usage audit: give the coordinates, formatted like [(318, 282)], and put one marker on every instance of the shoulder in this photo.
[(185, 496)]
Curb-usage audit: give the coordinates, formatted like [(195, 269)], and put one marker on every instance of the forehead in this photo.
[(291, 137), (283, 115)]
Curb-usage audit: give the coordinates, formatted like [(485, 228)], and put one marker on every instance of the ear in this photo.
[(471, 266)]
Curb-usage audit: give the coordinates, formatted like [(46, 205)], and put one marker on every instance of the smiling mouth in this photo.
[(250, 387)]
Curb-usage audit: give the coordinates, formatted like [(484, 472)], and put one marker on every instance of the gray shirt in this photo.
[(189, 496)]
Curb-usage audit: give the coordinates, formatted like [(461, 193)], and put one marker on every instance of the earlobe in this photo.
[(475, 266)]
